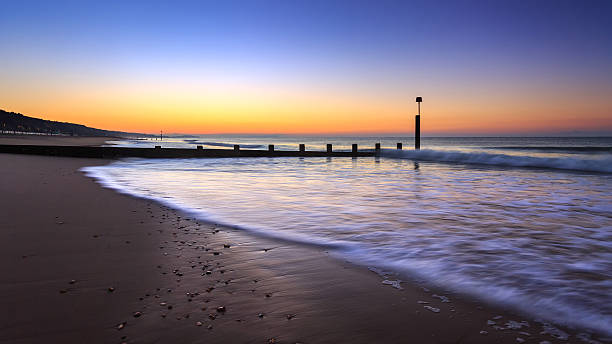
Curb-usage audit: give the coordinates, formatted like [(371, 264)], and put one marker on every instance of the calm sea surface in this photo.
[(523, 222)]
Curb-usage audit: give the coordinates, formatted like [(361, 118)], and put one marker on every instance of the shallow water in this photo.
[(532, 231)]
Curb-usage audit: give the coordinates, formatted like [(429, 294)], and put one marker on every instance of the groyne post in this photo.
[(354, 148), (302, 147), (417, 125), (199, 147), (399, 145), (377, 147), (329, 148), (236, 147), (271, 148)]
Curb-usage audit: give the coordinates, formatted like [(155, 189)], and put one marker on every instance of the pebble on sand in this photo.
[(433, 309), (122, 325), (137, 314), (221, 309), (110, 289), (198, 323)]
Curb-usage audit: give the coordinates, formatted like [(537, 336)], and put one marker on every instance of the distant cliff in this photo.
[(16, 122)]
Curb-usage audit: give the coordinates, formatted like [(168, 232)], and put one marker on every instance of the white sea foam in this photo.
[(538, 241), (603, 164)]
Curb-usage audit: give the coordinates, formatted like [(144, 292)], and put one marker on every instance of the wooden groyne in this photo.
[(165, 153)]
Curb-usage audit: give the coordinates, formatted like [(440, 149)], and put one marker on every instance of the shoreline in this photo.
[(176, 271)]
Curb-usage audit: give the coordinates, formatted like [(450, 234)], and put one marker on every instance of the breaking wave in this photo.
[(602, 165)]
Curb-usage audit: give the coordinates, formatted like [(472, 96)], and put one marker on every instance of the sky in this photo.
[(311, 67)]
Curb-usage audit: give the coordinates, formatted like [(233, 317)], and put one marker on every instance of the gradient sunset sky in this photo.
[(482, 67)]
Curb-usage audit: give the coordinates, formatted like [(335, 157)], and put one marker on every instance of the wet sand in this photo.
[(64, 241)]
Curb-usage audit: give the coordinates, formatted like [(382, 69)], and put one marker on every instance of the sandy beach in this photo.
[(86, 264)]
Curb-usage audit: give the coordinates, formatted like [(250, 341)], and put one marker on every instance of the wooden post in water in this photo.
[(200, 147), (417, 125), (329, 148), (236, 147), (399, 145), (302, 147), (157, 147), (271, 148), (377, 147), (354, 148)]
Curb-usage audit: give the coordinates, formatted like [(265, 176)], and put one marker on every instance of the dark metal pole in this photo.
[(417, 132), (417, 125)]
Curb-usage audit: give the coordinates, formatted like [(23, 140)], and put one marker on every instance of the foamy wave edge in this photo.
[(96, 173), (603, 165), (542, 310)]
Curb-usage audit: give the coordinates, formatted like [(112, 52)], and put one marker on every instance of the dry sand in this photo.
[(64, 241)]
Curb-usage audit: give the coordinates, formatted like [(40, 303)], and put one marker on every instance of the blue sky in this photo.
[(382, 49)]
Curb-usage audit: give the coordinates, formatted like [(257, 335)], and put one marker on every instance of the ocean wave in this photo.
[(602, 165), (220, 144), (557, 149)]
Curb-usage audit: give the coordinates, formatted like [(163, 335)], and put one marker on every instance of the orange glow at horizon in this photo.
[(307, 113), (184, 106)]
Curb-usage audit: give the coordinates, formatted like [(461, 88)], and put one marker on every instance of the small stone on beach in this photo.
[(433, 309), (137, 314)]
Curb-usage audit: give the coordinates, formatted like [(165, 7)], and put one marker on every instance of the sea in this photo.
[(521, 222)]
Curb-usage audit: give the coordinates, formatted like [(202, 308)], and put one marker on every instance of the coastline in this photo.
[(157, 260)]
